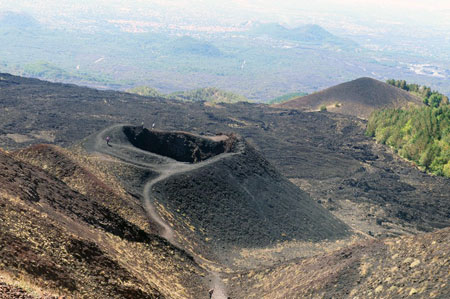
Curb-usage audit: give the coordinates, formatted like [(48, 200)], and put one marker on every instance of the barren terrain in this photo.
[(165, 213), (326, 154)]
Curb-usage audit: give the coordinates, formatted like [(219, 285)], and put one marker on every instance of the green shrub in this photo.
[(323, 108), (446, 170)]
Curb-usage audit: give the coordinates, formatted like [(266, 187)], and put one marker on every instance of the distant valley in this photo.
[(261, 61)]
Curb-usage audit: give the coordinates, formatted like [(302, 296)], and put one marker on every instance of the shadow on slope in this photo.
[(241, 200)]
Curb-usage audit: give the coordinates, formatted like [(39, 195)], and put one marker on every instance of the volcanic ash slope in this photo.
[(359, 98), (223, 193)]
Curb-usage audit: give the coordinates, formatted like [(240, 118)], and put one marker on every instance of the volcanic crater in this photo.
[(216, 192), (181, 146)]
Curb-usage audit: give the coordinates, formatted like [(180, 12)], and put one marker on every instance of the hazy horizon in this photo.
[(411, 14)]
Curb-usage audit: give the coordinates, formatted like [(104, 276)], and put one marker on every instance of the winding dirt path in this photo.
[(168, 232), (165, 167), (218, 286)]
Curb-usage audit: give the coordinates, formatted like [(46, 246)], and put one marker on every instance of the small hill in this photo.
[(310, 34), (187, 45), (359, 97), (306, 33), (218, 191), (18, 20)]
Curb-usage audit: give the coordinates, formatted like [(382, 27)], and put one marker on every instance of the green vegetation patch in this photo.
[(146, 91), (421, 135), (430, 98), (208, 94), (44, 69)]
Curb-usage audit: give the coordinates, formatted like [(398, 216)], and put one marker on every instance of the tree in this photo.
[(435, 100)]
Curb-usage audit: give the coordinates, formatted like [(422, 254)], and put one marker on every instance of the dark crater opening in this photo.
[(181, 146)]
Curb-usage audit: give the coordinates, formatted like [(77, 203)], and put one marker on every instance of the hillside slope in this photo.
[(55, 240), (358, 98)]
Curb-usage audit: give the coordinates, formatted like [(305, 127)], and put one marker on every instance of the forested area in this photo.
[(421, 135)]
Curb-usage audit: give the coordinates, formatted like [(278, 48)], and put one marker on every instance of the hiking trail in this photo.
[(165, 167)]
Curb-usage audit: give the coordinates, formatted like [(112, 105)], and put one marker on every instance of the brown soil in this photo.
[(75, 171), (12, 292), (70, 244)]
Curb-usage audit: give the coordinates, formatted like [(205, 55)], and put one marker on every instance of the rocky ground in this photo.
[(11, 292), (52, 199)]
